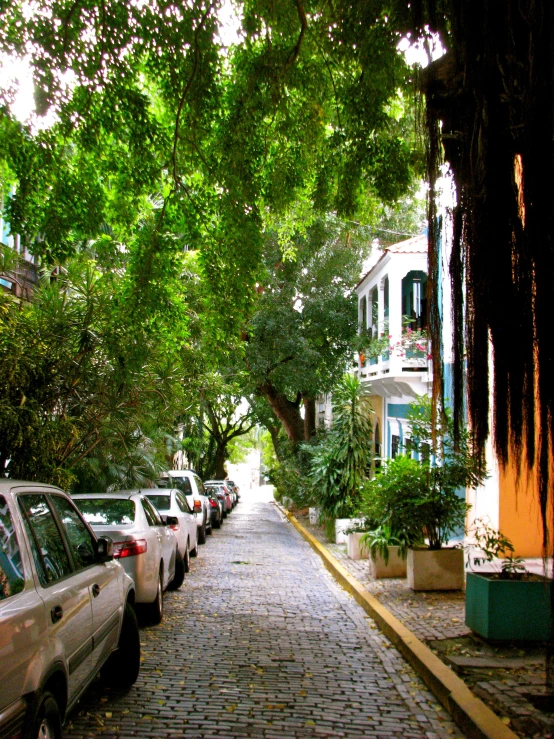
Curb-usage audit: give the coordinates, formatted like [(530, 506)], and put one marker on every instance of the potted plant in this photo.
[(506, 602), (356, 548), (387, 550), (424, 497)]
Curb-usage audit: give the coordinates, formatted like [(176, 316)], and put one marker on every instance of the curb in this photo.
[(472, 716)]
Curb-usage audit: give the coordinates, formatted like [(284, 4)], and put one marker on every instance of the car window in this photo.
[(11, 568), (47, 545), (107, 511), (199, 485), (182, 483), (161, 502), (152, 514), (182, 503), (80, 539)]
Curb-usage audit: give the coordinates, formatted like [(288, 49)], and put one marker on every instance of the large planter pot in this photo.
[(314, 514), (509, 609), (441, 569), (354, 549), (341, 524), (395, 567)]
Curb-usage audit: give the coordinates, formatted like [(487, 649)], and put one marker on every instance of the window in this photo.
[(363, 314), (199, 485), (49, 552), (182, 503), (425, 452), (414, 299), (394, 445), (107, 511), (152, 515), (80, 540), (377, 442), (161, 502), (12, 579), (183, 484), (374, 297)]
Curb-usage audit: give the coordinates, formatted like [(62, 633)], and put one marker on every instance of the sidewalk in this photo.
[(509, 679)]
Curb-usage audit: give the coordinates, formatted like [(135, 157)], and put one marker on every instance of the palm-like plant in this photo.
[(339, 463)]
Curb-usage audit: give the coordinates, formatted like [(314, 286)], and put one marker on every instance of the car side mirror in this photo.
[(170, 520), (104, 549)]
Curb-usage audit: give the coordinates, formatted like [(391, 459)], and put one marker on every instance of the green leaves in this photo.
[(340, 461)]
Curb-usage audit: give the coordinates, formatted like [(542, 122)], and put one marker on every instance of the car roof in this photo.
[(8, 486), (160, 491), (118, 494)]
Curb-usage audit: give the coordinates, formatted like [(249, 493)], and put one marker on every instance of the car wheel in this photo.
[(186, 558), (122, 668), (47, 723), (179, 576), (202, 533), (155, 610), (217, 523)]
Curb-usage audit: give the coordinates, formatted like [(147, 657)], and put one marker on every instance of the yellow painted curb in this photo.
[(475, 719)]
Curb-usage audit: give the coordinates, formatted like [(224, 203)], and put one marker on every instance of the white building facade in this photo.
[(392, 308)]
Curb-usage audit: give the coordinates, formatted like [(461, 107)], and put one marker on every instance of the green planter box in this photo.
[(509, 609)]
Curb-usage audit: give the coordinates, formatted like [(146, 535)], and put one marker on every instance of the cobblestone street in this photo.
[(260, 641)]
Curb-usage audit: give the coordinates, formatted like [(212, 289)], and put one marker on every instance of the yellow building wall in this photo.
[(519, 513)]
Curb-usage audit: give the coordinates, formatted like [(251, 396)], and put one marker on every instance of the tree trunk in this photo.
[(274, 433), (220, 457), (287, 411), (309, 417)]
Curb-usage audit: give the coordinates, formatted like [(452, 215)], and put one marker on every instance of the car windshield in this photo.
[(182, 484), (107, 511), (162, 502)]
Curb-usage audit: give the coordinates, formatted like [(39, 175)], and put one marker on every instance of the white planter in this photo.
[(314, 515), (340, 525), (395, 567), (354, 549), (442, 569)]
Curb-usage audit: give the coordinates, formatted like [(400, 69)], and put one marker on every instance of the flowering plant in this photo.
[(413, 343)]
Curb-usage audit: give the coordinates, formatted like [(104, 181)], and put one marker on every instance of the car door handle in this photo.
[(95, 590), (56, 614)]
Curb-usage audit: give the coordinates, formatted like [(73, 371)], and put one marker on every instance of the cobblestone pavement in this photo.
[(429, 616), (261, 642), (515, 692)]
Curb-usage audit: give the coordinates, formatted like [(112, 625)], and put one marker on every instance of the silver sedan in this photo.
[(143, 543), (173, 503)]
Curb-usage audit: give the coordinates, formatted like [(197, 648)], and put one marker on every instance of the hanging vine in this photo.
[(490, 109)]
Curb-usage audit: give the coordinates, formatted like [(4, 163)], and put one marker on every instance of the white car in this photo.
[(66, 611), (188, 482), (172, 502), (143, 543)]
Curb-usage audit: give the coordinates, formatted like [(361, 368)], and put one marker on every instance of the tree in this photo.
[(82, 387), (299, 336), (225, 421)]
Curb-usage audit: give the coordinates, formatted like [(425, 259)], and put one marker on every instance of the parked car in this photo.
[(223, 496), (143, 543), (216, 508), (66, 611), (228, 489), (192, 486), (235, 488), (172, 502)]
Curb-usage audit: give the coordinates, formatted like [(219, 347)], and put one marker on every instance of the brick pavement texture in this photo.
[(261, 642), (428, 615)]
